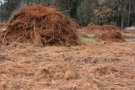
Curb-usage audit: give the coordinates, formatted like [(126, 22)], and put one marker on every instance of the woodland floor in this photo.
[(96, 66)]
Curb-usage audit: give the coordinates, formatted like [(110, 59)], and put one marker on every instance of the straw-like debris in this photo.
[(41, 25), (106, 32)]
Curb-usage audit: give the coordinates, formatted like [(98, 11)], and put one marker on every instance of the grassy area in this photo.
[(131, 37), (88, 38), (131, 40), (130, 34), (83, 39)]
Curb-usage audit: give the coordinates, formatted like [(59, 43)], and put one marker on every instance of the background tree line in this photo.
[(117, 12)]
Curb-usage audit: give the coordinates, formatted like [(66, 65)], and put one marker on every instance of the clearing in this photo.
[(96, 66)]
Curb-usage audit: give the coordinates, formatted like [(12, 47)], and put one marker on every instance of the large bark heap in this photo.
[(40, 24), (106, 32)]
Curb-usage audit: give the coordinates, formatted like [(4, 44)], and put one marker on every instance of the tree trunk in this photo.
[(1, 18), (122, 22), (129, 13), (53, 2)]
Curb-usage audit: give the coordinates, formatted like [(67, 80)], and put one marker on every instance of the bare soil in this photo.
[(96, 66)]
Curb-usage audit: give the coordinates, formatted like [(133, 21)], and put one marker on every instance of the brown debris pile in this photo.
[(92, 27), (41, 25), (1, 25), (106, 32), (2, 28)]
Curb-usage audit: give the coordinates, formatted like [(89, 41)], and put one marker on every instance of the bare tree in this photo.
[(53, 2), (1, 16)]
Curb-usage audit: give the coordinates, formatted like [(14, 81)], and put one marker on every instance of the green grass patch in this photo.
[(130, 34), (88, 38)]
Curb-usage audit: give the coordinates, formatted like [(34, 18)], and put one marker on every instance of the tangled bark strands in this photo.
[(106, 32), (40, 24), (1, 25)]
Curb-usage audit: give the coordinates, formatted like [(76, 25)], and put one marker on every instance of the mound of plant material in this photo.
[(106, 32), (41, 25)]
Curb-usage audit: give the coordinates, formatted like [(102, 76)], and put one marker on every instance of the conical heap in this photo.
[(40, 24)]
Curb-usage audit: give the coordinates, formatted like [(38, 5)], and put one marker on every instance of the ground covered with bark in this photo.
[(96, 66)]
